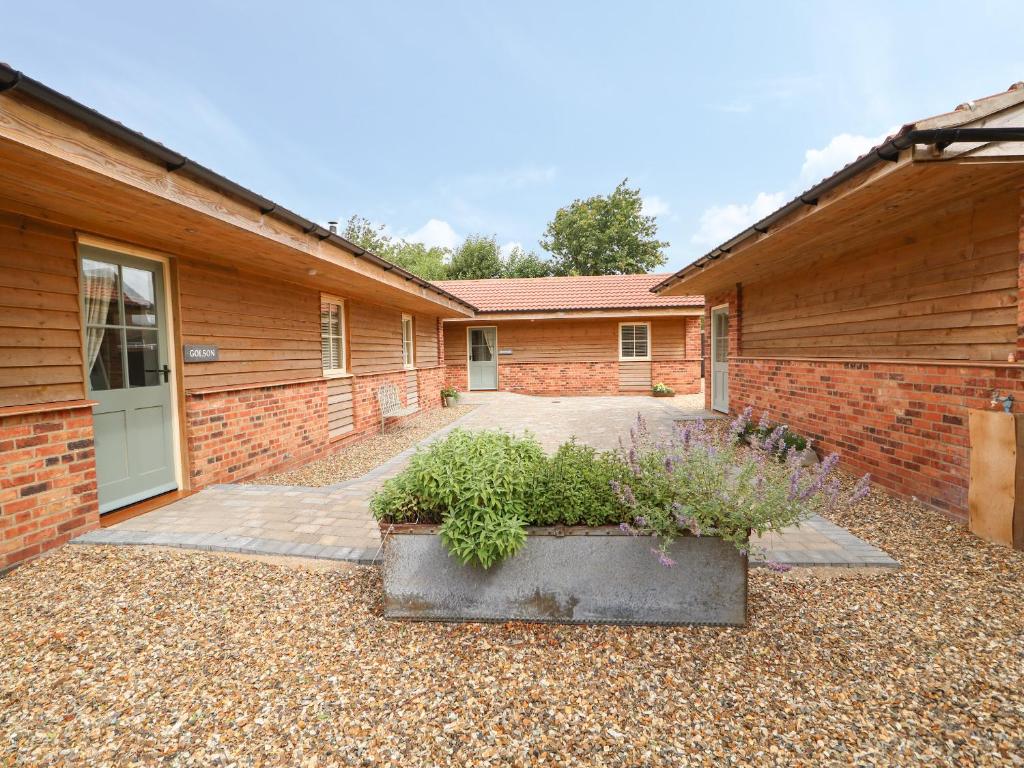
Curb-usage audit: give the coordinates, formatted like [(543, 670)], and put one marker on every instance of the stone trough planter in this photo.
[(566, 575)]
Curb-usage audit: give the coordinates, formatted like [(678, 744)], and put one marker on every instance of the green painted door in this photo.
[(127, 356), (483, 358)]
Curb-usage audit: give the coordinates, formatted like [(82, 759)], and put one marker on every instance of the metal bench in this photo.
[(391, 405)]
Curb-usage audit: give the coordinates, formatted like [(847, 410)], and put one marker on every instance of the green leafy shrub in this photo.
[(663, 389), (574, 487), (475, 484), (449, 392)]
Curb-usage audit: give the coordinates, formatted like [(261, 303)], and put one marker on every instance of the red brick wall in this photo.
[(430, 382), (579, 378), (905, 423), (682, 375), (48, 486), (456, 376), (236, 434)]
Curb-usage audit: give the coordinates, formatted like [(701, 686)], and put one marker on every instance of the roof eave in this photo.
[(895, 149), (13, 80)]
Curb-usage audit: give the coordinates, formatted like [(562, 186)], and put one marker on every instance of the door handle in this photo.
[(166, 371)]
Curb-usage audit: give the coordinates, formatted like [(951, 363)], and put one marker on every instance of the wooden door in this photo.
[(720, 359), (127, 360)]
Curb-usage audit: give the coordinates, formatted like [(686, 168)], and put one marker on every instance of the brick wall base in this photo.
[(906, 424), (48, 488), (579, 378), (240, 433)]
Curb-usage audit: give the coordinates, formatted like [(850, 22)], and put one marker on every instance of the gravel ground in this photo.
[(120, 656), (356, 460)]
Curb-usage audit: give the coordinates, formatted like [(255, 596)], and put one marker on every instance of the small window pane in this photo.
[(139, 297), (101, 285), (107, 370), (143, 358)]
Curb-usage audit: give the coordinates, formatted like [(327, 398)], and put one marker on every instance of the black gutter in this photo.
[(13, 80), (887, 151)]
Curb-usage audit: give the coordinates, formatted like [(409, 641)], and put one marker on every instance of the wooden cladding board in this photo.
[(570, 340), (269, 331), (945, 288), (376, 338), (635, 375), (425, 327), (412, 390), (339, 407), (266, 331), (40, 314)]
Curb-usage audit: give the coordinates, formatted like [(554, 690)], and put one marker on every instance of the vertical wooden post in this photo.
[(996, 493)]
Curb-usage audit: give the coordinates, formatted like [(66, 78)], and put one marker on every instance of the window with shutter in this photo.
[(635, 341), (332, 335)]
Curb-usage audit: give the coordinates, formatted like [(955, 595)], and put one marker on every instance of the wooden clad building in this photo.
[(875, 310), (163, 328), (592, 335)]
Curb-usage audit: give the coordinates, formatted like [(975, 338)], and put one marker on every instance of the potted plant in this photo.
[(485, 526), (662, 390), (449, 397)]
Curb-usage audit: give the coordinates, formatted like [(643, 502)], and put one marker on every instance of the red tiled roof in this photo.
[(550, 294)]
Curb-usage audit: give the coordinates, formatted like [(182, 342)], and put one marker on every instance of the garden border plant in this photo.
[(485, 488)]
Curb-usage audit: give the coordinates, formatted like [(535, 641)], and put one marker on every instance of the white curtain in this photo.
[(490, 345), (99, 287)]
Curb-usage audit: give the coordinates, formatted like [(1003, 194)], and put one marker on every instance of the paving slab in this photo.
[(334, 522)]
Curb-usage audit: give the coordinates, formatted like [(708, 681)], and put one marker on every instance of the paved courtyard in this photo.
[(334, 522)]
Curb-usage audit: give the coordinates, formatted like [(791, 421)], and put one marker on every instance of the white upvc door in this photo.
[(720, 359), (483, 358)]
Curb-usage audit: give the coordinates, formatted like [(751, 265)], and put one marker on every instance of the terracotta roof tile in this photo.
[(566, 293)]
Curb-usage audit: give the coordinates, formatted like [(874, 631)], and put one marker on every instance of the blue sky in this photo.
[(444, 119)]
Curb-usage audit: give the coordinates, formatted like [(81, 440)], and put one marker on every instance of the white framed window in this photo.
[(634, 341), (408, 342), (332, 335)]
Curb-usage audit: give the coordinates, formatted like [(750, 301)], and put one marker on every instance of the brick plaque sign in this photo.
[(201, 353)]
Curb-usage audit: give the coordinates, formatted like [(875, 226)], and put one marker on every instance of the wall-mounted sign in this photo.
[(201, 353), (504, 351)]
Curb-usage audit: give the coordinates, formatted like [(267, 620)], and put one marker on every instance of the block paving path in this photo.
[(334, 522)]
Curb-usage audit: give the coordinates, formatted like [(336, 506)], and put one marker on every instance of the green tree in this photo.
[(604, 235), (478, 258), (520, 263), (428, 263), (372, 237)]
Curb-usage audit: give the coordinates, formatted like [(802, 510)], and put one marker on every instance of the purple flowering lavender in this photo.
[(794, 483), (670, 464), (862, 489), (778, 567), (739, 424), (633, 457), (663, 559), (774, 439), (627, 528), (762, 423)]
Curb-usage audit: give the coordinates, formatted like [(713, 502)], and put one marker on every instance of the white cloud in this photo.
[(720, 222), (654, 206), (508, 247), (842, 149), (435, 233)]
